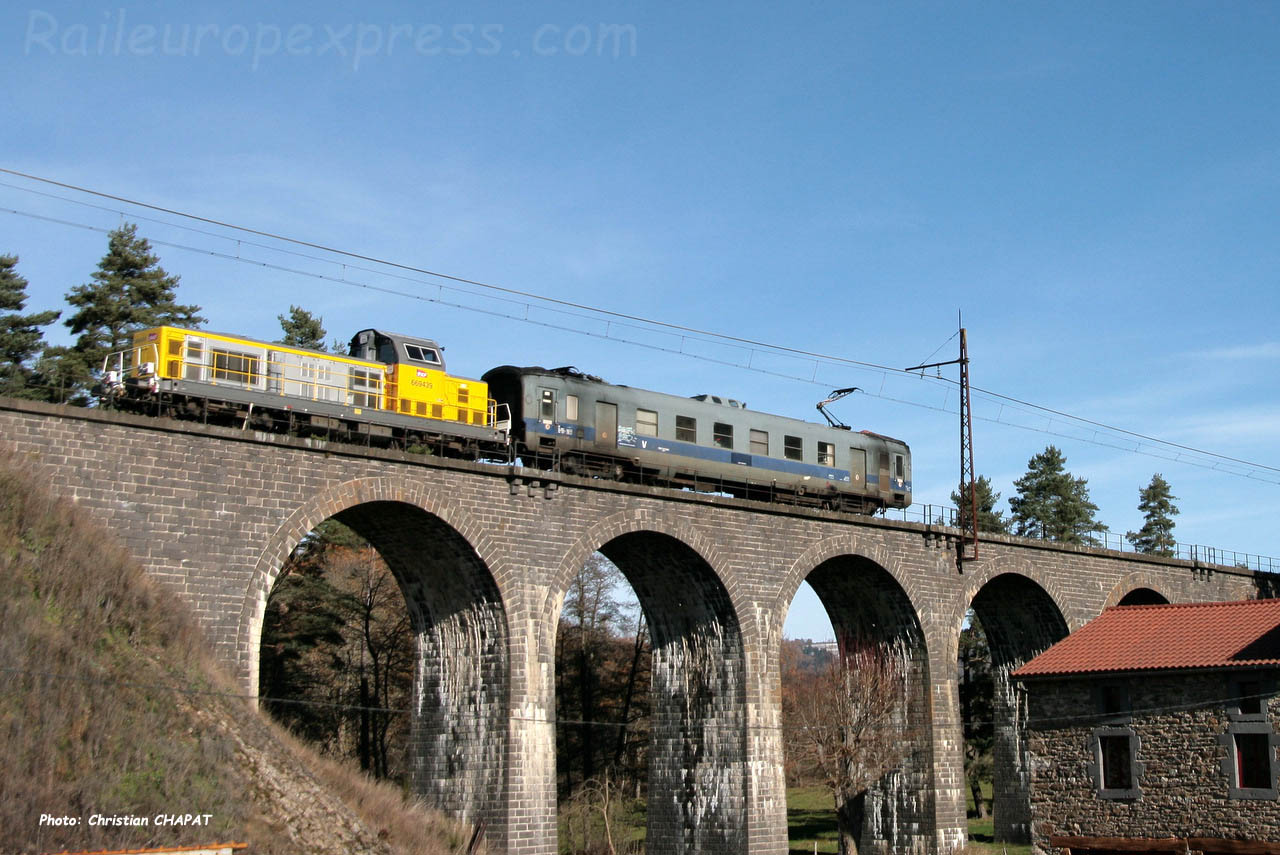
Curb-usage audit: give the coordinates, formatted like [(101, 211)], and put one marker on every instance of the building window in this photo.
[(646, 422), (793, 448), (1253, 766), (1116, 767), (1114, 699), (826, 454), (1117, 771), (1249, 745), (1250, 699), (722, 434), (1250, 760), (760, 442), (686, 429)]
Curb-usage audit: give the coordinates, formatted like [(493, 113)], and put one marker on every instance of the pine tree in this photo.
[(1156, 503), (1051, 504), (302, 329), (989, 519), (20, 336), (130, 291)]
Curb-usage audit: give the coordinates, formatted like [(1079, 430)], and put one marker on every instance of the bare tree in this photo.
[(847, 723)]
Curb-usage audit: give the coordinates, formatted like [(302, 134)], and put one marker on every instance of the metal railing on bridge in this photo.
[(947, 515)]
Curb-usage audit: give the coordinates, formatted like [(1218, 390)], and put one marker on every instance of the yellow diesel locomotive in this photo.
[(390, 389)]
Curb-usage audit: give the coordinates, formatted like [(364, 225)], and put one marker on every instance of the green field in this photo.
[(811, 821)]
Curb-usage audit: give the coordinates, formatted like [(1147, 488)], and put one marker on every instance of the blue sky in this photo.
[(1096, 186)]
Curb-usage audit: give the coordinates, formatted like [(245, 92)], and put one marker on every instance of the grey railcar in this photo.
[(578, 423)]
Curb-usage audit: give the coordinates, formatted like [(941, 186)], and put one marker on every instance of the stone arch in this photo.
[(462, 684), (1022, 616), (630, 522), (988, 571), (871, 600), (698, 775), (306, 517), (843, 545), (1138, 588)]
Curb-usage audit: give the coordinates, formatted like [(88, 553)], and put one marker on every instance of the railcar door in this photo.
[(858, 469), (606, 426), (886, 489), (275, 372)]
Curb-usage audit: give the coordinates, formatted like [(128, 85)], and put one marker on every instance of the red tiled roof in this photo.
[(1185, 635)]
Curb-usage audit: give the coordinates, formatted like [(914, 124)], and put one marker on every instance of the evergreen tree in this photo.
[(130, 291), (1156, 503), (20, 336), (61, 376), (1051, 504), (302, 329), (989, 519)]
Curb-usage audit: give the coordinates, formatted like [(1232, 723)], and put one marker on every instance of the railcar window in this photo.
[(793, 448), (548, 411), (826, 454), (899, 468), (759, 442), (686, 429), (364, 385), (722, 434), (646, 422), (571, 408), (195, 359), (240, 367), (422, 354)]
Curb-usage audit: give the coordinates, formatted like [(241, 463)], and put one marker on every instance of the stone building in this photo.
[(1154, 729)]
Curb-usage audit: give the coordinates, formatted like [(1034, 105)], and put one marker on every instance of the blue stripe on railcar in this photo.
[(537, 427), (627, 438)]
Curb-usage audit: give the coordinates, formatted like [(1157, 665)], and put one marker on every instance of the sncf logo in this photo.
[(422, 373)]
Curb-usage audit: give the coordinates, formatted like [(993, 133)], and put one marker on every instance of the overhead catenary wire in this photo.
[(192, 691), (680, 335)]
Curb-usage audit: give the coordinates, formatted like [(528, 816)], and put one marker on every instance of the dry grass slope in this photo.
[(110, 706)]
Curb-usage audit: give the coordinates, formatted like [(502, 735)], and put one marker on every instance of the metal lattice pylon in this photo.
[(968, 547)]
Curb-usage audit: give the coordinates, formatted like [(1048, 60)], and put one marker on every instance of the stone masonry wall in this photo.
[(212, 513), (1183, 788)]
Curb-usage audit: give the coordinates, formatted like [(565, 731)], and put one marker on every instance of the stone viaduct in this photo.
[(484, 555)]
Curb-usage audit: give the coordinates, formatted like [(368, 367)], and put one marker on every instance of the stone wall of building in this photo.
[(1183, 783)]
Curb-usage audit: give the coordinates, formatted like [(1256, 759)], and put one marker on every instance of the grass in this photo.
[(811, 820), (110, 704)]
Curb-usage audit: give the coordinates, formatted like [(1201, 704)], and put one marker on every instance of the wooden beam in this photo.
[(1215, 846), (1173, 845)]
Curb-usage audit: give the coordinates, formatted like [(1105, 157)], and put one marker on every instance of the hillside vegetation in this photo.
[(110, 707)]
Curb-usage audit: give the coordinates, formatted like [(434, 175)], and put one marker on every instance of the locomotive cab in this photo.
[(392, 349), (417, 384)]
